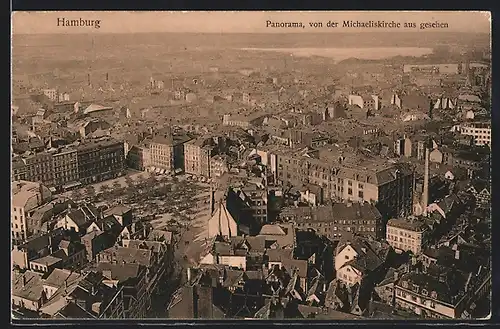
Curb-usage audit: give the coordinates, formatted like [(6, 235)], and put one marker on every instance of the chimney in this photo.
[(396, 275), (457, 254), (189, 274), (65, 284), (425, 193), (24, 280)]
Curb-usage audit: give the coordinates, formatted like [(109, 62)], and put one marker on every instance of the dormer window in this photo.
[(425, 292), (405, 284), (434, 295)]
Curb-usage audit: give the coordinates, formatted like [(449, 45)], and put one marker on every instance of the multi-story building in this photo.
[(445, 295), (407, 234), (357, 259), (162, 151), (480, 131), (18, 169), (338, 219), (26, 196), (100, 160), (197, 154), (139, 156), (51, 94), (218, 165), (89, 296), (389, 186), (178, 143), (369, 102), (65, 164), (133, 278), (38, 168)]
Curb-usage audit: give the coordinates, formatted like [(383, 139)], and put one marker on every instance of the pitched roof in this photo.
[(277, 255), (161, 235), (27, 285), (58, 276), (120, 272), (118, 210), (155, 246), (292, 265), (130, 255)]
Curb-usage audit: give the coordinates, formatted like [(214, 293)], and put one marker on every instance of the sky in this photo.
[(241, 22)]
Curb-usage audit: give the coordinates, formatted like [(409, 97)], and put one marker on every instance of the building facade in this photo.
[(197, 155), (407, 234), (162, 152), (26, 196), (100, 160), (480, 131), (65, 163)]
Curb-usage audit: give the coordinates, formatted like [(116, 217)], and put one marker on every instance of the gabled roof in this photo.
[(130, 255), (27, 285), (95, 107), (58, 276)]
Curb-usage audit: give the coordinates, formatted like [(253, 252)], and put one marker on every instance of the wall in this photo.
[(345, 255), (349, 275), (233, 261), (404, 299)]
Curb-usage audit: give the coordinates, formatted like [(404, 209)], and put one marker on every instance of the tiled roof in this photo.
[(121, 272), (130, 255), (27, 285), (59, 276)]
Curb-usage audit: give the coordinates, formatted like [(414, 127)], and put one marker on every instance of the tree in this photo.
[(129, 181), (116, 185), (104, 187), (75, 195), (90, 190)]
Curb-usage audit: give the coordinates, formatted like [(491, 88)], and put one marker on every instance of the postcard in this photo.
[(320, 165)]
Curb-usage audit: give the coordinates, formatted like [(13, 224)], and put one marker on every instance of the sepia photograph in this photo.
[(259, 165)]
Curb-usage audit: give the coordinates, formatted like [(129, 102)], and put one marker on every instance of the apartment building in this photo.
[(162, 152), (443, 295), (480, 131), (65, 164), (26, 196), (51, 94), (37, 168), (197, 155), (336, 220), (100, 160), (369, 102), (407, 234), (139, 156), (388, 185)]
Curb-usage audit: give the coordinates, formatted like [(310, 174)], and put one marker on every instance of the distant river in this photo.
[(340, 54)]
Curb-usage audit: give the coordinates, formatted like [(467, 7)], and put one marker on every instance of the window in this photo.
[(349, 191), (348, 269), (360, 186), (349, 183), (433, 305), (360, 194), (346, 257)]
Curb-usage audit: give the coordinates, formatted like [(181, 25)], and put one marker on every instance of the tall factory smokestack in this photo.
[(425, 193), (88, 79), (107, 76)]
